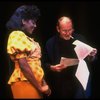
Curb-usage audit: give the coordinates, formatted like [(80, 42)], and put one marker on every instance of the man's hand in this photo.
[(94, 52), (57, 67), (92, 55)]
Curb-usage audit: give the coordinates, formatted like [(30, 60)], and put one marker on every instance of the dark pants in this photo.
[(81, 93)]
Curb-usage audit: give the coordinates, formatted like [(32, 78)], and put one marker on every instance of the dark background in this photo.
[(86, 19)]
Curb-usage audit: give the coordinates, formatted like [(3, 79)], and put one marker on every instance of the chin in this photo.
[(31, 32), (67, 38)]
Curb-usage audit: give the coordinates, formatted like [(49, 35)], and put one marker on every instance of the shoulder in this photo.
[(17, 33), (51, 40)]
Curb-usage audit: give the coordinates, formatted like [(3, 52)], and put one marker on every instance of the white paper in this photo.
[(69, 61), (82, 50), (82, 73)]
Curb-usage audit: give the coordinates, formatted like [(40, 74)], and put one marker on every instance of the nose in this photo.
[(34, 25), (67, 32)]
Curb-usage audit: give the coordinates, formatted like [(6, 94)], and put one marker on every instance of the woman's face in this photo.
[(29, 25)]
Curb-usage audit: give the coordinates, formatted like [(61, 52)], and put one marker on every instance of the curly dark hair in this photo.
[(23, 12)]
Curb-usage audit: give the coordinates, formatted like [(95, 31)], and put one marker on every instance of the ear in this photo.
[(57, 28)]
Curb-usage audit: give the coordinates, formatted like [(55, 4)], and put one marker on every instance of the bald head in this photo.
[(64, 19)]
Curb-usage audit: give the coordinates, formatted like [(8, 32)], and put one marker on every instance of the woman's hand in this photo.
[(46, 90)]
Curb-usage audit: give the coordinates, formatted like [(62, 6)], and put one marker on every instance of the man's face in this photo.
[(65, 29)]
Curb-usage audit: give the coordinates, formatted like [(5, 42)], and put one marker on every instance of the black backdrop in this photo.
[(86, 19)]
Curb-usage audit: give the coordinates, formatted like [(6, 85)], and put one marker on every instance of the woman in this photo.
[(26, 80)]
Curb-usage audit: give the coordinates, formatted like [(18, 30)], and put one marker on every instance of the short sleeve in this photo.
[(18, 43)]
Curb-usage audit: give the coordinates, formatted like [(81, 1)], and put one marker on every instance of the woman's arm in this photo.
[(28, 73)]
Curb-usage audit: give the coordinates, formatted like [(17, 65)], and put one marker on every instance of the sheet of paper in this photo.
[(69, 61), (82, 73), (82, 50)]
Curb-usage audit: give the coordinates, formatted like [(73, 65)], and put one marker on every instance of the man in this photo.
[(61, 78)]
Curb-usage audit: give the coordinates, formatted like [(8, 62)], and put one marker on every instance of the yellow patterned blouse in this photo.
[(19, 46)]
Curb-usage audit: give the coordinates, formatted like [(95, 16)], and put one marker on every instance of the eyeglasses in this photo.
[(67, 31)]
